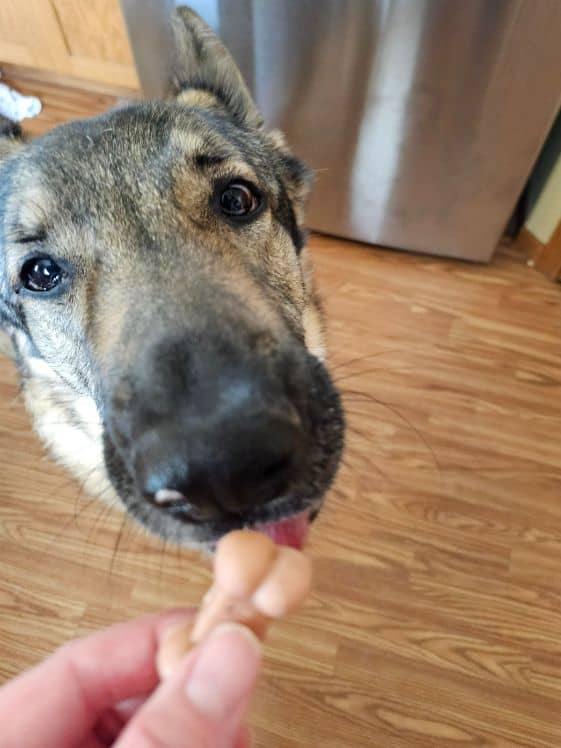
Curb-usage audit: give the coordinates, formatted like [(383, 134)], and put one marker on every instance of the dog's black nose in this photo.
[(240, 455)]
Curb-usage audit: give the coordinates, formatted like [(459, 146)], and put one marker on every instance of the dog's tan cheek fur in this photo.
[(313, 321), (79, 449), (314, 332)]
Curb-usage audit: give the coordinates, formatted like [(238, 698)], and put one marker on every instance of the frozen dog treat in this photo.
[(255, 581)]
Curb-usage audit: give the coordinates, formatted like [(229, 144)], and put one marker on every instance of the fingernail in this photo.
[(174, 644), (224, 672)]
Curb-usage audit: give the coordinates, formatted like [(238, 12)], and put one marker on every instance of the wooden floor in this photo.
[(436, 614)]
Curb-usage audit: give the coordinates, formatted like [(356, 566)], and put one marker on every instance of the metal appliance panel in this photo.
[(422, 118)]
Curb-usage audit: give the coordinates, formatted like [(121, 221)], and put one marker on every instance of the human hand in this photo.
[(104, 690)]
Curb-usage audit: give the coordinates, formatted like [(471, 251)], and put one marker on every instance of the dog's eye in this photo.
[(239, 200), (41, 274)]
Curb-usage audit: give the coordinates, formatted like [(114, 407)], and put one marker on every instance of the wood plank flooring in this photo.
[(436, 614)]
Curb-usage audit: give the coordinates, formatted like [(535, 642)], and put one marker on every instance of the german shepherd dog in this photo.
[(156, 287)]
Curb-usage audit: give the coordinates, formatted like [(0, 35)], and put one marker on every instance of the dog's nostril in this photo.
[(232, 462), (277, 468)]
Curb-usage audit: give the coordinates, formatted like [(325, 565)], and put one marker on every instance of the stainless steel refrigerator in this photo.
[(422, 118)]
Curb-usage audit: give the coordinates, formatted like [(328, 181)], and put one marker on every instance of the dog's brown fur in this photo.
[(124, 201)]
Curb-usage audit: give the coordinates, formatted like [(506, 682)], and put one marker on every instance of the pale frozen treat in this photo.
[(255, 581)]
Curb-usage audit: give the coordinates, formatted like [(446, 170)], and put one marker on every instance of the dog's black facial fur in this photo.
[(166, 300)]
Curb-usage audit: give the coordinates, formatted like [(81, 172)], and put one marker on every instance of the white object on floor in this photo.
[(15, 106)]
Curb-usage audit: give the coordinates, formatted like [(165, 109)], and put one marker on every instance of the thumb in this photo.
[(204, 702)]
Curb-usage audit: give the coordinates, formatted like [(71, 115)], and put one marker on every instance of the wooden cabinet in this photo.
[(84, 39)]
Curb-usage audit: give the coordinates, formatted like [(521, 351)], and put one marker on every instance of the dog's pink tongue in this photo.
[(292, 531)]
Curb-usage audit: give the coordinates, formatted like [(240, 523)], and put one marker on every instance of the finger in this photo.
[(204, 702), (66, 693), (244, 739), (125, 709), (93, 742), (111, 722)]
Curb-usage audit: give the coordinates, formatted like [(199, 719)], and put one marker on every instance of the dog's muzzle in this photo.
[(216, 436)]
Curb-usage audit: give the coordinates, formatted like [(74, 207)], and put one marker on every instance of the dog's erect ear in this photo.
[(205, 73)]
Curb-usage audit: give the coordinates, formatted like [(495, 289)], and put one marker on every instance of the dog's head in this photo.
[(152, 260)]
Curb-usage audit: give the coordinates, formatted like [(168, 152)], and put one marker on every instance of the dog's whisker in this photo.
[(98, 497), (101, 516), (380, 369), (368, 397), (133, 533), (357, 359), (177, 544), (162, 554), (117, 545), (69, 481), (363, 436), (82, 511), (72, 521), (88, 541), (92, 536), (64, 422), (80, 495), (372, 370)]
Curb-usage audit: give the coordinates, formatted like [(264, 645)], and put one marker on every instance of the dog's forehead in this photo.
[(140, 131), (86, 165)]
